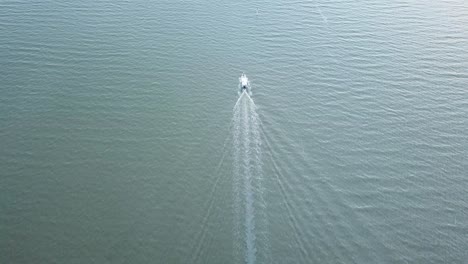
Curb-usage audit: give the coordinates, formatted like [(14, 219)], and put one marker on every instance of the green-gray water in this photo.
[(120, 141)]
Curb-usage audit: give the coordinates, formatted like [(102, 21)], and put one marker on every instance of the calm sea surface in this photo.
[(120, 141)]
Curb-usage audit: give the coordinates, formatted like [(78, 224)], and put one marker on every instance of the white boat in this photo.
[(244, 83)]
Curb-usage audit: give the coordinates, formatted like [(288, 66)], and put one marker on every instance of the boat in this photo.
[(244, 82)]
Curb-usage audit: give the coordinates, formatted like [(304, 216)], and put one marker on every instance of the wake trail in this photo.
[(247, 185), (249, 198), (236, 182)]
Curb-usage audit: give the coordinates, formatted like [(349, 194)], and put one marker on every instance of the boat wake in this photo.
[(250, 225)]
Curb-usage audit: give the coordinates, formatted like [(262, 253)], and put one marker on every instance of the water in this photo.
[(118, 142)]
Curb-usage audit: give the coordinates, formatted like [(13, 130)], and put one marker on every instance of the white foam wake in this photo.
[(247, 179)]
